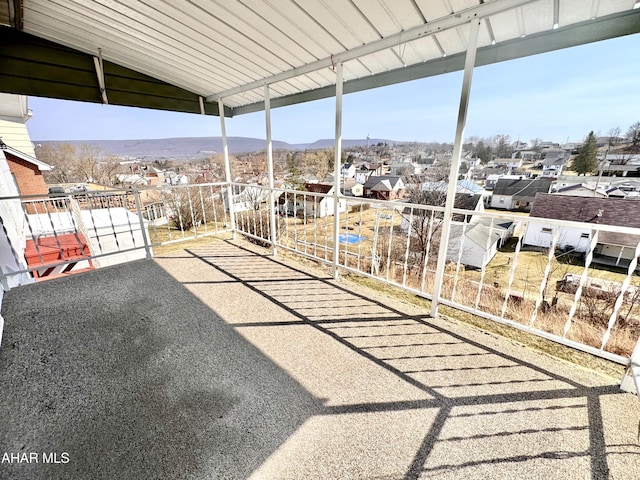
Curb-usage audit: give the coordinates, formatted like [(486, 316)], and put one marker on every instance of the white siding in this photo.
[(14, 113), (473, 255), (540, 235), (501, 201), (12, 238), (615, 251), (14, 133)]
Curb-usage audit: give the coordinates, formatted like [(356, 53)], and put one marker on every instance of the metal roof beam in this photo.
[(603, 28), (465, 16)]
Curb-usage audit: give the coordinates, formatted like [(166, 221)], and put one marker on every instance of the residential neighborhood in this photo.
[(534, 179)]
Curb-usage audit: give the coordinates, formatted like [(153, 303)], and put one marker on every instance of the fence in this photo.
[(51, 236), (543, 276), (552, 278)]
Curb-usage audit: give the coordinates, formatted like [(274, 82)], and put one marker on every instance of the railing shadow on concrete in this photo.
[(137, 375), (488, 409)]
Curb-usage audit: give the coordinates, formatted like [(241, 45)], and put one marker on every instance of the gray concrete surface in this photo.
[(220, 362)]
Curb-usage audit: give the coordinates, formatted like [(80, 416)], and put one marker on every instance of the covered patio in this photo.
[(222, 362)]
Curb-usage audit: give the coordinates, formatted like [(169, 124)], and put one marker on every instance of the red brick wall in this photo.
[(28, 177)]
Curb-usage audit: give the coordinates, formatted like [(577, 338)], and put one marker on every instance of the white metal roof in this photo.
[(230, 48)]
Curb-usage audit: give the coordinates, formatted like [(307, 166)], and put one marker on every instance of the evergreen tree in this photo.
[(585, 161), (483, 152)]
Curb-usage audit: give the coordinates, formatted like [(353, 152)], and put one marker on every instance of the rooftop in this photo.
[(223, 362), (521, 186), (604, 211)]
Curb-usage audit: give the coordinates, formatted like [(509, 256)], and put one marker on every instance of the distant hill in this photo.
[(199, 147)]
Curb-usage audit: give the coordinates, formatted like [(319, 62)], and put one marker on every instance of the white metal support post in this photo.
[(336, 172), (469, 63), (143, 229), (272, 209), (227, 168), (631, 377)]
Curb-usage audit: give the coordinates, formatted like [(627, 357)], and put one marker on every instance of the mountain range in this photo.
[(200, 147)]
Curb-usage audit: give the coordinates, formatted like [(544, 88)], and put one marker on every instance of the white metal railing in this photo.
[(62, 234), (537, 275)]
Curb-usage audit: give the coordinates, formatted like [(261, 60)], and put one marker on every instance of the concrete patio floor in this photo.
[(220, 362)]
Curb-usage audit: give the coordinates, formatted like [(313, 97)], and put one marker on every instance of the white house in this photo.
[(132, 179), (518, 193), (554, 163), (322, 206), (514, 163), (173, 178), (249, 198), (348, 170), (306, 203), (362, 177), (352, 188), (473, 244), (615, 249), (526, 155)]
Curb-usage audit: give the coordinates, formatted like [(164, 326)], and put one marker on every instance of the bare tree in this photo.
[(254, 196), (82, 163), (107, 170), (318, 162), (62, 157), (188, 208), (87, 163), (425, 224), (535, 144), (614, 136), (633, 137), (502, 145)]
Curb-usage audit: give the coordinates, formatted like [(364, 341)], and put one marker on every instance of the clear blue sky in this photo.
[(558, 96)]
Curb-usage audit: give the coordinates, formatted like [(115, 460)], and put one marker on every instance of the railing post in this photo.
[(632, 376), (227, 167), (336, 172), (271, 211), (136, 199), (470, 61)]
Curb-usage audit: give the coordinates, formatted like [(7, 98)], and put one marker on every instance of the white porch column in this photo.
[(272, 210), (227, 167), (469, 63), (336, 172)]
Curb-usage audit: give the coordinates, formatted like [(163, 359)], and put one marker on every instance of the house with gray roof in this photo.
[(613, 248), (384, 187), (518, 193), (554, 163)]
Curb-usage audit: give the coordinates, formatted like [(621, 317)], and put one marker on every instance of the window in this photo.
[(584, 235), (547, 230)]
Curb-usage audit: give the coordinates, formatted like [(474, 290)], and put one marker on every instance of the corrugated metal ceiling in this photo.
[(231, 48)]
